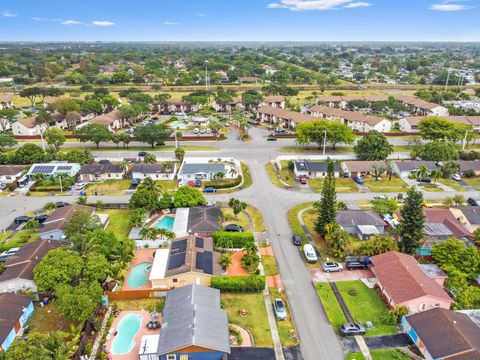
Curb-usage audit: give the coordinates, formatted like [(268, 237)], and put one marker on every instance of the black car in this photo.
[(473, 202), (297, 240), (136, 182), (352, 329), (354, 265), (142, 153), (22, 219), (104, 162), (271, 138), (424, 180), (60, 204), (234, 228), (41, 218)]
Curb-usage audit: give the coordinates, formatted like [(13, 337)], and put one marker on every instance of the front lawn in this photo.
[(118, 222), (384, 354), (309, 218), (287, 175), (285, 327), (386, 185), (110, 187), (167, 185), (5, 235), (342, 185), (330, 304), (366, 305), (430, 187), (292, 218), (475, 182), (19, 239), (256, 319), (272, 175), (269, 265), (257, 218), (241, 220), (455, 185)]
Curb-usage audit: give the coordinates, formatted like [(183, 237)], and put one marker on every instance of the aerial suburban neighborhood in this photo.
[(213, 181)]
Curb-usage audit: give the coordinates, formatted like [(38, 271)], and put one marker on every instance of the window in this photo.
[(171, 357), (175, 280), (422, 307), (436, 305)]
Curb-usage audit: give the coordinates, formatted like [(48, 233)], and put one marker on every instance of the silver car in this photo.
[(280, 309), (332, 267)]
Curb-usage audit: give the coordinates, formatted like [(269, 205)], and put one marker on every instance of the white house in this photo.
[(54, 168), (28, 126), (421, 107), (6, 102), (207, 168), (100, 172), (236, 103), (8, 173), (274, 101), (158, 171), (313, 169)]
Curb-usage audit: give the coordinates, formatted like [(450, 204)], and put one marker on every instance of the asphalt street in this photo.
[(317, 338)]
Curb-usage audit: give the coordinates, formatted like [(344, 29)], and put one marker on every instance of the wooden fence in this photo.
[(135, 294)]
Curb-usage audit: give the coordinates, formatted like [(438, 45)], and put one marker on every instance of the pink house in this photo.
[(404, 283)]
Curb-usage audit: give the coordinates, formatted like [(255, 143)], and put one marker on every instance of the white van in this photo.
[(310, 254)]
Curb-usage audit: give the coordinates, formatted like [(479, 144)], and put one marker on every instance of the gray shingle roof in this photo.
[(314, 166), (359, 217), (202, 168), (192, 316), (157, 168), (97, 169), (204, 219), (414, 165)]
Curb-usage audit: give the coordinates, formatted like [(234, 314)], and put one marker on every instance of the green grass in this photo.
[(292, 218), (247, 177), (284, 327), (5, 235), (330, 304), (455, 185), (119, 222), (272, 175), (20, 238), (269, 265), (241, 219), (430, 187), (139, 304), (257, 218), (384, 354), (367, 305), (287, 175), (354, 356), (47, 319), (256, 319), (386, 185), (309, 218), (342, 185), (475, 182), (110, 187), (167, 185)]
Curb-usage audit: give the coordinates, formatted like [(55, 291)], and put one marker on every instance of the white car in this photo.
[(196, 131), (80, 186), (456, 177), (332, 267), (310, 253)]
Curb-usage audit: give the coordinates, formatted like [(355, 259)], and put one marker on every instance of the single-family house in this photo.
[(189, 260), (54, 168), (54, 226), (18, 274), (406, 168), (9, 173), (404, 283), (157, 171), (6, 102), (313, 169), (275, 101), (361, 223), (235, 103), (193, 327), (441, 334), (206, 169), (470, 165), (199, 220), (15, 310), (113, 120), (28, 127), (100, 172), (362, 168), (467, 216)]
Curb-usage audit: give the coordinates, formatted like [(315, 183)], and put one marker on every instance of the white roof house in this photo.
[(54, 168)]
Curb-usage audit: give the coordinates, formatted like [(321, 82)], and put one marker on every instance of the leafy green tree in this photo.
[(180, 153), (80, 223), (54, 138), (378, 244), (384, 205), (411, 224), (149, 159), (79, 302), (187, 196), (165, 201), (153, 134), (337, 240), (79, 156), (225, 260), (326, 205), (137, 217), (6, 141), (454, 253), (49, 207), (29, 154), (438, 151), (143, 198), (65, 105), (237, 206), (96, 268), (95, 133), (124, 138), (373, 146)]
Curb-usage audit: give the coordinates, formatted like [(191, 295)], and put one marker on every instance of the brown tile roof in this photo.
[(448, 219), (469, 120), (11, 170), (11, 309), (95, 169), (363, 166), (21, 265), (273, 98), (287, 114), (447, 333), (107, 119), (29, 122), (403, 279), (414, 101), (61, 216), (6, 98), (347, 115)]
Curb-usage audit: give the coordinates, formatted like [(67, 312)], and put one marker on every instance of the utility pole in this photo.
[(464, 140), (206, 77), (448, 77), (61, 187), (324, 142)]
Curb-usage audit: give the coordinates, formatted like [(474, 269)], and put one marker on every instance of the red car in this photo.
[(303, 180)]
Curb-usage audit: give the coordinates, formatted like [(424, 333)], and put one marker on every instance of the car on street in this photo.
[(424, 180), (60, 204), (349, 329), (280, 309), (234, 228), (80, 186), (473, 202), (41, 218), (280, 131), (456, 177), (271, 138), (209, 190), (332, 267), (142, 153), (358, 180), (22, 219), (310, 253), (346, 175), (303, 180), (297, 240), (355, 265)]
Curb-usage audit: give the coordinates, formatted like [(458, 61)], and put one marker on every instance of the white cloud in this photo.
[(6, 13), (305, 5), (71, 22), (448, 7), (103, 23), (170, 23), (47, 19)]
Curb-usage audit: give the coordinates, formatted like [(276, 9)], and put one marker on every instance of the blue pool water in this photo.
[(165, 222), (178, 125), (138, 275), (125, 339)]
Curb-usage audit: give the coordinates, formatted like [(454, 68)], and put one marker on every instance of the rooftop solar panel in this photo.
[(199, 242), (199, 261), (64, 168), (42, 169), (208, 262), (176, 261), (179, 246)]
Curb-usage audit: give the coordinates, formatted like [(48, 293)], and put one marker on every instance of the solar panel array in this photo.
[(179, 246), (208, 262), (199, 242), (176, 260), (64, 168), (199, 260), (42, 170)]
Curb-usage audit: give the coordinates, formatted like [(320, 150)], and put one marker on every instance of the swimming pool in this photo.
[(165, 222), (138, 275), (125, 339), (178, 125)]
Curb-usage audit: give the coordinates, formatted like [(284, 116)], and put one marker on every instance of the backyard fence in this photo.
[(135, 294)]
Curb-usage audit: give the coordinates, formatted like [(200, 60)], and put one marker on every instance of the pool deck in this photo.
[(133, 354), (140, 256)]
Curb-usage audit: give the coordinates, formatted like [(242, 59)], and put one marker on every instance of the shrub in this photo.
[(469, 173), (232, 240), (236, 284), (225, 183), (470, 155)]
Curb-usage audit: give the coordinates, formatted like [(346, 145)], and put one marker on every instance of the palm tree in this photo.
[(54, 346), (422, 172), (390, 170), (378, 170), (225, 260), (49, 207), (232, 172), (251, 248), (435, 174), (83, 246)]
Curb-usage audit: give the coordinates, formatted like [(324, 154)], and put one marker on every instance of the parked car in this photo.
[(60, 204), (456, 177), (271, 138), (297, 240), (234, 228), (303, 180), (352, 329), (22, 219), (196, 131), (280, 309), (104, 162), (209, 190), (332, 267), (424, 180), (41, 218), (6, 254), (80, 186), (358, 180), (355, 265), (142, 153), (473, 202), (198, 183), (136, 182), (346, 175), (280, 131), (310, 253)]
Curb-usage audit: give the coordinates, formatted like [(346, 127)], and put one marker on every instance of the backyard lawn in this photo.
[(285, 327), (386, 185), (385, 354), (256, 319), (269, 265), (140, 304), (342, 185), (241, 220), (110, 187), (119, 222), (47, 318), (20, 238), (331, 306), (366, 305)]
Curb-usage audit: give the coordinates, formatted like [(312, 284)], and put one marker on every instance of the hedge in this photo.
[(232, 240), (224, 183), (237, 284)]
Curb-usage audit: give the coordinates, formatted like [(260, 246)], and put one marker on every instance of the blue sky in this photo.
[(231, 20)]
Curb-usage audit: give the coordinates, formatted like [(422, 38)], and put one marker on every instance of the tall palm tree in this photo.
[(54, 346), (83, 246), (422, 172), (232, 171), (435, 174), (151, 185)]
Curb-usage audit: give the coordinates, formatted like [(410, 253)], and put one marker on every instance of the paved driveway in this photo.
[(319, 276)]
